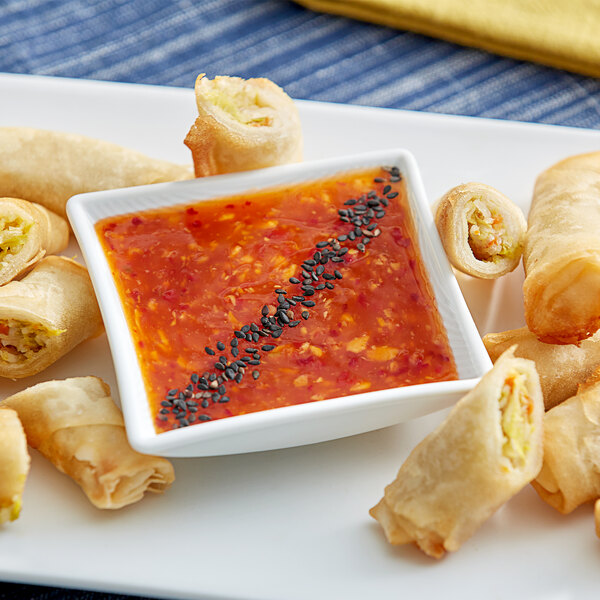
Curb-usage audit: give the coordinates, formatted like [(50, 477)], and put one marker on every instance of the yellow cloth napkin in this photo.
[(559, 33)]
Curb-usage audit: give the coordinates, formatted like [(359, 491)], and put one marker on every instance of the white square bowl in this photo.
[(292, 425)]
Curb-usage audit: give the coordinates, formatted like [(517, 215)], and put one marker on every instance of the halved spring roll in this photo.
[(487, 449), (561, 367), (14, 464), (562, 252), (77, 426), (570, 475), (28, 232), (48, 167), (242, 125), (45, 315), (481, 230)]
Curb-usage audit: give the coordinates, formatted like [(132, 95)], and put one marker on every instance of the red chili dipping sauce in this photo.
[(280, 297)]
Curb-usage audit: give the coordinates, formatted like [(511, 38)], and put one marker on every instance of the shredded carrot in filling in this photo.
[(488, 238), (20, 340), (516, 407)]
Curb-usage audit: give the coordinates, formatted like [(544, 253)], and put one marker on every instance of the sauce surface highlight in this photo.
[(198, 284)]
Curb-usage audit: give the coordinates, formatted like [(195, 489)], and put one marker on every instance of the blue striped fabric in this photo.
[(313, 56)]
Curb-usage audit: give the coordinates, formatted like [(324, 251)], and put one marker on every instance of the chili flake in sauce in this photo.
[(281, 297)]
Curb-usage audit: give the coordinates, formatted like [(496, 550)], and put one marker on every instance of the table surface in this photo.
[(312, 56)]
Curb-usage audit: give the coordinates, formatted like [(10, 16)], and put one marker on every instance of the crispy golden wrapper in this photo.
[(562, 252), (28, 232), (570, 475), (48, 167), (77, 426), (14, 464), (487, 449), (481, 230), (243, 125), (45, 315), (561, 367)]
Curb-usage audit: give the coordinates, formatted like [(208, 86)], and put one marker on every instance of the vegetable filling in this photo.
[(516, 407), (20, 340), (13, 234), (243, 105), (488, 238)]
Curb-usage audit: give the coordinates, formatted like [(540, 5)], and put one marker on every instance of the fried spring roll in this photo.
[(48, 167), (561, 367), (45, 315), (487, 449), (243, 125), (14, 464), (28, 232), (562, 252), (77, 426), (481, 230), (570, 475)]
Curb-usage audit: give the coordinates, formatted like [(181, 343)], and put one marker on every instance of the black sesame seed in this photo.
[(233, 343), (222, 389), (280, 291), (220, 346), (212, 377), (350, 202), (387, 189), (239, 334), (283, 317), (234, 352), (320, 269), (309, 292), (298, 298), (267, 347), (384, 201), (361, 247), (322, 244), (255, 336), (320, 287), (204, 418), (265, 310), (324, 260), (239, 377), (379, 180), (342, 251), (337, 274), (309, 303), (345, 219), (251, 351), (337, 259), (220, 366), (164, 411), (305, 314), (209, 351), (294, 280), (328, 276), (392, 195), (255, 374), (245, 329), (294, 323), (330, 285), (223, 359), (351, 236), (254, 362), (166, 403), (256, 356), (315, 276), (276, 334), (380, 214), (249, 337), (230, 373), (224, 399), (194, 377), (310, 262)]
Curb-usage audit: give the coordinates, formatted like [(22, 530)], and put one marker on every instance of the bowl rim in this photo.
[(85, 210)]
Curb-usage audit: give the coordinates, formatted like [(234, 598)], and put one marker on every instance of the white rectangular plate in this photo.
[(292, 524)]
